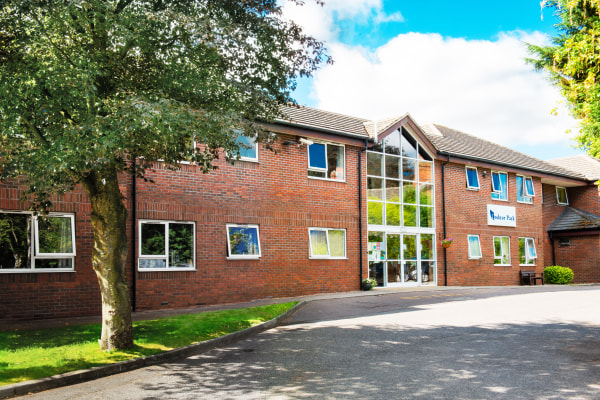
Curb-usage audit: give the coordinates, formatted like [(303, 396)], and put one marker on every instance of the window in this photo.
[(525, 191), (400, 183), (474, 246), (472, 178), (327, 243), (326, 160), (29, 242), (501, 250), (527, 253), (166, 244), (561, 196), (499, 186), (243, 241), (248, 148), (564, 242)]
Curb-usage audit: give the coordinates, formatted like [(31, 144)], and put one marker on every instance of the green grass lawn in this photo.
[(33, 354)]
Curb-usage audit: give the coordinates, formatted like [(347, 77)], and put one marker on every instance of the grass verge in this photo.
[(33, 354)]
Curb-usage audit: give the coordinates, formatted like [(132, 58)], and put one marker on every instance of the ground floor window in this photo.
[(401, 258), (35, 242), (166, 244), (501, 250), (474, 246), (327, 243), (527, 252), (243, 241)]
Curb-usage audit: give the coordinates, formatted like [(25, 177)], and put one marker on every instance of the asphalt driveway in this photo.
[(538, 343)]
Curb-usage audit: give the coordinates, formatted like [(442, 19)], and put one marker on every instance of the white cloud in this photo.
[(482, 87)]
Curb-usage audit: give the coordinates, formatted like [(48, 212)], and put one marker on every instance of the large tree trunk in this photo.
[(109, 256)]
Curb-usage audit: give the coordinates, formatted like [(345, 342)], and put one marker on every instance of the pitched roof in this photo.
[(326, 121), (587, 165), (460, 144), (308, 117), (572, 219)]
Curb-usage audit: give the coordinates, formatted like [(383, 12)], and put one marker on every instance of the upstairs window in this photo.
[(561, 196), (326, 161), (527, 252), (40, 243), (327, 243), (525, 191), (248, 148), (474, 246), (501, 250), (472, 178), (166, 245), (243, 241), (499, 186)]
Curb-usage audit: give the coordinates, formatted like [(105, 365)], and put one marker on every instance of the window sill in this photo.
[(475, 258), (525, 202), (165, 269), (244, 258), (474, 189), (33, 271), (505, 200), (252, 160), (327, 258), (326, 179), (562, 204), (526, 265), (502, 265)]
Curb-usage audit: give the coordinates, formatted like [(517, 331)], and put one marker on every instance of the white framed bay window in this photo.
[(327, 243), (166, 245), (37, 243)]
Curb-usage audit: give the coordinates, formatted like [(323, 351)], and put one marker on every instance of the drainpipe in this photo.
[(553, 251), (133, 236), (444, 220)]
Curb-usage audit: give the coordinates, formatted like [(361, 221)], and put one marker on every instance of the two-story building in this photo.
[(341, 199)]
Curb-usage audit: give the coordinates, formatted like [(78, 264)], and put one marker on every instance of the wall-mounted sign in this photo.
[(501, 215)]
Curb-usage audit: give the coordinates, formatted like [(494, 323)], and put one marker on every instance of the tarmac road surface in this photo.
[(496, 343)]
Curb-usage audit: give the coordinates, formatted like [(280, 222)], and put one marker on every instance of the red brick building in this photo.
[(342, 199)]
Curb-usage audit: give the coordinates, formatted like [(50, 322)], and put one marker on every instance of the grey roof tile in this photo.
[(309, 117), (572, 219), (460, 144), (587, 165)]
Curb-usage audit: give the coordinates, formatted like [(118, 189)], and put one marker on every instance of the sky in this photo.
[(455, 63)]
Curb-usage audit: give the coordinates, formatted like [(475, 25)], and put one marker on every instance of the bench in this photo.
[(530, 277)]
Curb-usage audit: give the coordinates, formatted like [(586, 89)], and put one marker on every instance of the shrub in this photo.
[(558, 274)]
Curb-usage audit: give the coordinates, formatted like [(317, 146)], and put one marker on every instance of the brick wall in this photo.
[(274, 193), (582, 255), (466, 214)]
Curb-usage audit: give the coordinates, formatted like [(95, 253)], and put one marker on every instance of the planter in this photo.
[(367, 286), (446, 244)]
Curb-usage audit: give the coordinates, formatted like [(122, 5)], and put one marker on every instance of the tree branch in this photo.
[(67, 58)]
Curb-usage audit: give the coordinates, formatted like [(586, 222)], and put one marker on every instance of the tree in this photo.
[(89, 87), (573, 62)]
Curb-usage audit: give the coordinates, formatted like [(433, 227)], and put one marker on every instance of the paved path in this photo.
[(538, 343)]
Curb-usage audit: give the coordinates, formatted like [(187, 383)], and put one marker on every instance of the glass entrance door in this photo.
[(402, 259)]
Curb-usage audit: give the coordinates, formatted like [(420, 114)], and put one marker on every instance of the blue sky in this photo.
[(458, 64)]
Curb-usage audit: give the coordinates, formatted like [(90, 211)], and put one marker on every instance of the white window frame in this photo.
[(524, 192), (471, 256), (243, 256), (467, 168), (34, 247), (529, 243), (494, 190), (315, 169), (250, 159), (327, 230), (494, 250), (165, 256), (558, 197)]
